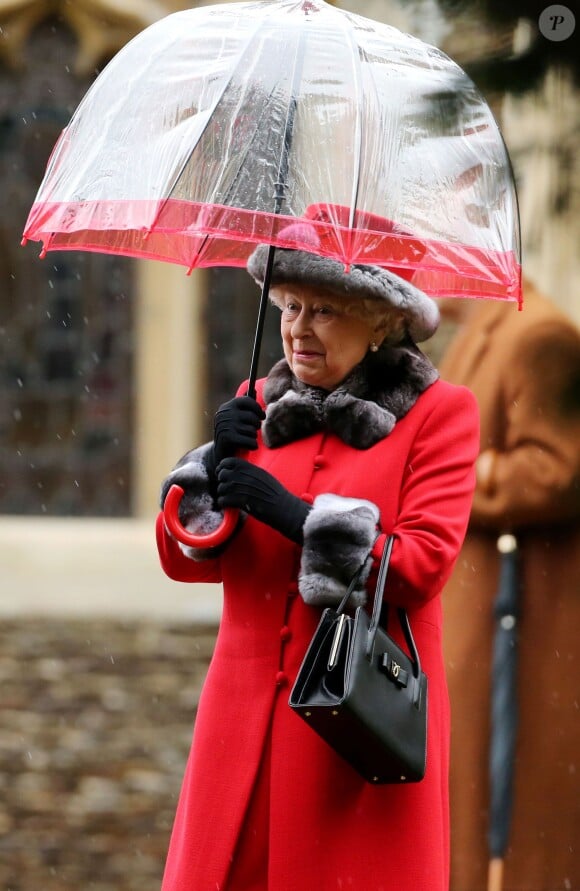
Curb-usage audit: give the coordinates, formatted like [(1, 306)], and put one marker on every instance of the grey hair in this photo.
[(379, 316)]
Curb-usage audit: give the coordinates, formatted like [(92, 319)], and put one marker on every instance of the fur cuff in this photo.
[(196, 510), (339, 534)]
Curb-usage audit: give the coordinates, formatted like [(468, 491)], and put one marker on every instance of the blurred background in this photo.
[(105, 382)]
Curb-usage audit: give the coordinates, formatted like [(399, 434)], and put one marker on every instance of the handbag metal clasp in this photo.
[(393, 670), (334, 649)]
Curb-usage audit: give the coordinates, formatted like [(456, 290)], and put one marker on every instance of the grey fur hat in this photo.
[(421, 313)]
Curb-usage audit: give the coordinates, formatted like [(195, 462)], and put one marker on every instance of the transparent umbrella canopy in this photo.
[(215, 127)]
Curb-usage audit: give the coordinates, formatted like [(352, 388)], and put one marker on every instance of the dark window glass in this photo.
[(232, 313), (65, 321)]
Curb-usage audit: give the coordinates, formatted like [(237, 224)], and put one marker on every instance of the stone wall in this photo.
[(95, 726)]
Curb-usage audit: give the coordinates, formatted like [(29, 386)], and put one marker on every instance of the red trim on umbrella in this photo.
[(201, 235)]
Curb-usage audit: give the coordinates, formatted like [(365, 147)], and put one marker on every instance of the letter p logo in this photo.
[(557, 23)]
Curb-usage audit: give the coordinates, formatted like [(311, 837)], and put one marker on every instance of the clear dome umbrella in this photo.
[(216, 127)]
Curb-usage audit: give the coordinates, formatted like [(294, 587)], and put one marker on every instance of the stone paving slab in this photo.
[(95, 727)]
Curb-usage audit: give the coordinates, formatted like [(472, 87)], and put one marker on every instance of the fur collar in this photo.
[(362, 411)]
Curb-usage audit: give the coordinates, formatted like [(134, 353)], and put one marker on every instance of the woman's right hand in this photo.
[(236, 426)]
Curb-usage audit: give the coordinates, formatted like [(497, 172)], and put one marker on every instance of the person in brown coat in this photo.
[(524, 370)]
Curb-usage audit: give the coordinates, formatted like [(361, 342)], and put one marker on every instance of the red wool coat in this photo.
[(328, 828)]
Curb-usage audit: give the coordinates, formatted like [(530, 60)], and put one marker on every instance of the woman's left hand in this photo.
[(245, 486)]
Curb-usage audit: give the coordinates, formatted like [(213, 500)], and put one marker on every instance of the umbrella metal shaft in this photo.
[(278, 202), (260, 323)]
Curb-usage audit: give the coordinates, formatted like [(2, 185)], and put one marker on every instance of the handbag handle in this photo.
[(402, 613), (378, 603), (351, 586)]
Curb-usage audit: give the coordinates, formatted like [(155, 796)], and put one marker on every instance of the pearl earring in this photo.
[(373, 347)]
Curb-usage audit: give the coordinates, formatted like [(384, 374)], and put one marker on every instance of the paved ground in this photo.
[(95, 726)]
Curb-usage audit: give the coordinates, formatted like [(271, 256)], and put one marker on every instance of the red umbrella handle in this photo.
[(174, 525)]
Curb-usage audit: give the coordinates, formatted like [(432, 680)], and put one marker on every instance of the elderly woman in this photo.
[(352, 436)]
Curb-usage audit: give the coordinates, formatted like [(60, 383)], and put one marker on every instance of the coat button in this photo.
[(307, 497), (319, 462), (281, 679), (285, 633)]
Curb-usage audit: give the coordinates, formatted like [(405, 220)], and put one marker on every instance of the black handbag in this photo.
[(363, 694)]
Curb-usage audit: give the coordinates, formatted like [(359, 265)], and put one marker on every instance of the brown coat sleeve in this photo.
[(535, 479)]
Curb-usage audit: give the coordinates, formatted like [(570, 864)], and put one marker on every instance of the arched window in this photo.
[(232, 312), (65, 322)]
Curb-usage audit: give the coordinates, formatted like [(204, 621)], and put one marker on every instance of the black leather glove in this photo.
[(242, 485), (236, 425)]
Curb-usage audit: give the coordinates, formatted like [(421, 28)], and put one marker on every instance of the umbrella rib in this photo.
[(227, 82), (279, 198), (243, 156), (357, 71), (288, 126), (289, 123)]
